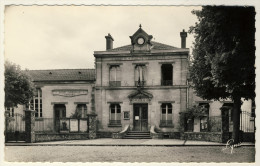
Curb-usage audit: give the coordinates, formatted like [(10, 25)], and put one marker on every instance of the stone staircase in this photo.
[(138, 135)]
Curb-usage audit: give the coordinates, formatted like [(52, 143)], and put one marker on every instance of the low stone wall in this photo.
[(171, 135), (249, 137), (203, 136), (15, 136), (44, 137), (104, 134)]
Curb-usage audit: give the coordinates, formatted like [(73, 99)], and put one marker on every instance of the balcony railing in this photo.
[(166, 123), (140, 83), (115, 83), (114, 122), (166, 82)]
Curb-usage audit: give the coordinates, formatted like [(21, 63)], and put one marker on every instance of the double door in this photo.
[(140, 117)]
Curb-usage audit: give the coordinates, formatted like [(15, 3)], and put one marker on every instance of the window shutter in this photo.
[(112, 74), (144, 73), (136, 73), (118, 73)]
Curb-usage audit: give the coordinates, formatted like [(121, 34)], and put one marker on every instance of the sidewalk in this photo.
[(124, 142)]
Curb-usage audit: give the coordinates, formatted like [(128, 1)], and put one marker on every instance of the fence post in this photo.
[(225, 123), (6, 125), (92, 120), (30, 126)]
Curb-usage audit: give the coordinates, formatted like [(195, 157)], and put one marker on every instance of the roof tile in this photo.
[(156, 46), (63, 75)]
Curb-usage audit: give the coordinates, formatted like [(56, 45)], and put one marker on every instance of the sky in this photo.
[(65, 37)]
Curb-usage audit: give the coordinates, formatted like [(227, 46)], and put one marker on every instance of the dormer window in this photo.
[(141, 41)]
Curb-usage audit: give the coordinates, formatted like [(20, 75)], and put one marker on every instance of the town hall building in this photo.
[(140, 87)]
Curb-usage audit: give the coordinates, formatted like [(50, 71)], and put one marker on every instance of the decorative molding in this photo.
[(140, 96), (166, 101), (114, 64), (172, 62), (114, 102), (140, 63), (52, 103), (81, 102), (69, 92)]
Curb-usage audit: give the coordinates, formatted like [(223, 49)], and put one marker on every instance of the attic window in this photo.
[(50, 72), (79, 72)]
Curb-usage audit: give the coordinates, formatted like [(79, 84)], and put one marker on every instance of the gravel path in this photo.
[(127, 154)]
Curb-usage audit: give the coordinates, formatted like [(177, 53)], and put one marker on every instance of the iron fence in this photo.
[(140, 83), (114, 122), (15, 123), (165, 122), (247, 122), (44, 125), (114, 83), (166, 82)]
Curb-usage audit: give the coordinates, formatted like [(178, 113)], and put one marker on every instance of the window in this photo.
[(36, 103), (115, 114), (115, 76), (166, 116), (126, 115), (166, 70), (140, 75), (230, 111), (205, 116), (10, 112), (82, 110)]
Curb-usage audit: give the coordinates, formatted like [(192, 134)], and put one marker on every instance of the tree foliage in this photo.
[(18, 86), (223, 64), (224, 52)]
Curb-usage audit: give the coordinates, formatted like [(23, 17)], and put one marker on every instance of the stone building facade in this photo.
[(142, 84)]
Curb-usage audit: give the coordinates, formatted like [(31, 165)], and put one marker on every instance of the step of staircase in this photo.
[(138, 135)]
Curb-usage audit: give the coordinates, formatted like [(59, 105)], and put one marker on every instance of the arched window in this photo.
[(115, 114), (166, 114), (36, 103)]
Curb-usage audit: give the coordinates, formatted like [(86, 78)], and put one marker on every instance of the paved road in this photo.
[(127, 154)]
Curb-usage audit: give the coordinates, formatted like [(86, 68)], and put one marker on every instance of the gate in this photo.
[(247, 122), (247, 126), (15, 127)]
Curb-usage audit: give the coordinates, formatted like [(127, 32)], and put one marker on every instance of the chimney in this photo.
[(109, 42), (183, 38)]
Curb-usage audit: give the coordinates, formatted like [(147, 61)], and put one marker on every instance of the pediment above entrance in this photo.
[(140, 96)]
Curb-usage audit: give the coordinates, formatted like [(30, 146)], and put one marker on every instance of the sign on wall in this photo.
[(126, 115), (83, 125), (69, 92), (74, 125)]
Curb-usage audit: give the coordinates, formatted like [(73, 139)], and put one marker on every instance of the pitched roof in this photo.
[(156, 46), (63, 75)]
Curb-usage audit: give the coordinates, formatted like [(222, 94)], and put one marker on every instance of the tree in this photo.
[(223, 59), (18, 86)]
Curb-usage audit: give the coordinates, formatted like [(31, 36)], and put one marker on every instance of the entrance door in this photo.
[(141, 117), (59, 112)]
